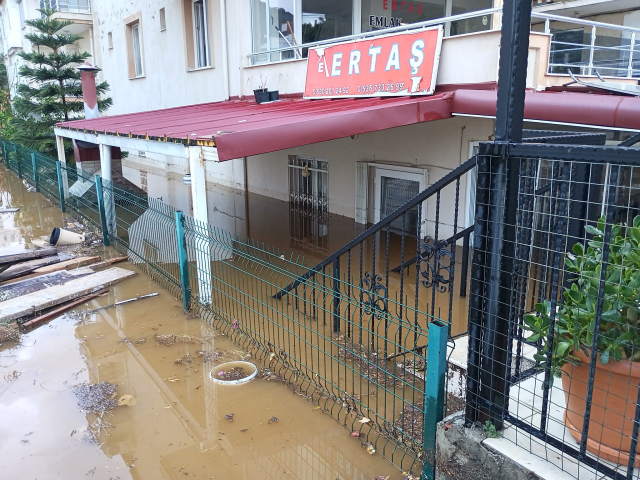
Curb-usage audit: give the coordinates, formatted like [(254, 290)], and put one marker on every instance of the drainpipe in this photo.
[(225, 53)]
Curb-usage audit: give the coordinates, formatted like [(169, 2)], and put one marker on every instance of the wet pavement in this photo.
[(174, 426)]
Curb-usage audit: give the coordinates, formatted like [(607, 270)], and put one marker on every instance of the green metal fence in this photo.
[(329, 339)]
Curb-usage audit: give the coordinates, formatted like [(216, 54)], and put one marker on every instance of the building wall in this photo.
[(440, 146)]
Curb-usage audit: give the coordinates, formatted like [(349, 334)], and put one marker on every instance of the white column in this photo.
[(201, 214), (63, 161), (109, 205)]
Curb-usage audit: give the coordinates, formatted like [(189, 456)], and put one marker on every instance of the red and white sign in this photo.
[(391, 65)]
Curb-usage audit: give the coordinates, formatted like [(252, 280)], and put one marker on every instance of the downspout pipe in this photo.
[(225, 53)]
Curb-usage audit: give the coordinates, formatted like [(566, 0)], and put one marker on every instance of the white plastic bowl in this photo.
[(230, 365)]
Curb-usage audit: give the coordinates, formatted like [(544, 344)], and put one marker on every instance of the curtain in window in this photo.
[(137, 53), (200, 32)]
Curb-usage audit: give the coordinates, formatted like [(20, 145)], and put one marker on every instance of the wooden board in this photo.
[(109, 261), (41, 282), (49, 297), (24, 268), (28, 255), (67, 306), (68, 264)]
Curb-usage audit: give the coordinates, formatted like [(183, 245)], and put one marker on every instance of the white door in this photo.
[(393, 188)]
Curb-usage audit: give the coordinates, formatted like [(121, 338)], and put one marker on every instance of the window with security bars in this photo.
[(308, 202), (395, 192)]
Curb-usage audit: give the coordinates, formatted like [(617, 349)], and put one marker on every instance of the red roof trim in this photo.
[(566, 107)]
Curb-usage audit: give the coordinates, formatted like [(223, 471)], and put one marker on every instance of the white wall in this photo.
[(440, 146)]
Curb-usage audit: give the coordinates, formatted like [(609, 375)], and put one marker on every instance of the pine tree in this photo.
[(52, 92)]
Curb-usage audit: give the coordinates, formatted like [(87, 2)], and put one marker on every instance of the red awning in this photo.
[(593, 109), (242, 128)]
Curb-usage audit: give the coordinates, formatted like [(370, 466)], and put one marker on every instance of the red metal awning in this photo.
[(593, 109), (240, 128)]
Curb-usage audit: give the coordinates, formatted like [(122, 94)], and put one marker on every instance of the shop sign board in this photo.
[(396, 64)]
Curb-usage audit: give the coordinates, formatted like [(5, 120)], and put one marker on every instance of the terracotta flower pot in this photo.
[(613, 406)]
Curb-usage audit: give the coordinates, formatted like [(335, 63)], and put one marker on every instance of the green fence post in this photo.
[(36, 178), (184, 262), (4, 153), (19, 170), (103, 216), (60, 186), (434, 394)]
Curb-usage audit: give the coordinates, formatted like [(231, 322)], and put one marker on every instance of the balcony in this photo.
[(68, 6), (582, 47)]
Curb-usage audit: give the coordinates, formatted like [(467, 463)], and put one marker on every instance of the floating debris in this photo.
[(185, 360), (236, 373), (130, 342), (357, 434), (369, 447), (229, 417), (208, 357), (273, 420), (9, 331), (96, 398), (172, 339)]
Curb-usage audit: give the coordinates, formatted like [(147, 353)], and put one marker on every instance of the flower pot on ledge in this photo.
[(613, 406)]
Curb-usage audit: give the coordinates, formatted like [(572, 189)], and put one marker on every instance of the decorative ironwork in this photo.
[(430, 263), (374, 300)]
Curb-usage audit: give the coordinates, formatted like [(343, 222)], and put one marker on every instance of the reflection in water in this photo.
[(305, 235)]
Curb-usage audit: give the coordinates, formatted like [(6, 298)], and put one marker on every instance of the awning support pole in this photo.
[(201, 215), (109, 206), (63, 163)]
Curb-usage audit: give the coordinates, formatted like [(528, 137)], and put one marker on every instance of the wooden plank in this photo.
[(25, 268), (28, 255), (49, 297), (40, 282), (68, 265), (109, 261), (8, 210), (67, 306)]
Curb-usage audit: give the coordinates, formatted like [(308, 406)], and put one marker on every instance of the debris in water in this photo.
[(128, 340), (273, 420), (185, 360), (369, 447), (357, 434), (364, 420), (244, 430), (96, 398), (229, 417), (236, 373), (129, 400), (9, 331), (208, 357), (173, 338)]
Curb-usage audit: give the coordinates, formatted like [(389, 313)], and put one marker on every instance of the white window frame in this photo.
[(136, 50), (198, 61)]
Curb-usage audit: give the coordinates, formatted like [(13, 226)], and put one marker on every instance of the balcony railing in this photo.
[(583, 47), (68, 6)]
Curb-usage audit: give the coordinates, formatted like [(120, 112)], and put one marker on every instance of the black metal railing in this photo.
[(380, 247)]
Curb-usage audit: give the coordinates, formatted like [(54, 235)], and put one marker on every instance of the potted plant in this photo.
[(617, 375), (261, 94)]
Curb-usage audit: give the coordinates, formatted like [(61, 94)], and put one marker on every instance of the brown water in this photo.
[(175, 426)]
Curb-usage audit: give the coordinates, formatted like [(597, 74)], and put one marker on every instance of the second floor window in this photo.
[(201, 34), (137, 49)]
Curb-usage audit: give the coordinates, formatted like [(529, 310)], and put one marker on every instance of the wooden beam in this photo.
[(7, 260), (49, 297), (40, 282), (67, 306), (68, 265), (25, 268), (109, 261)]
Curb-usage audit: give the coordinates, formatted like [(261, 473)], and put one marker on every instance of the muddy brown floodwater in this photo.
[(175, 423)]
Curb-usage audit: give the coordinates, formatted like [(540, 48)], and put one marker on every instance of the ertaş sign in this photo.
[(397, 64)]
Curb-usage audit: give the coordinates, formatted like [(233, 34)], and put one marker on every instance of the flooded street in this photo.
[(173, 424)]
